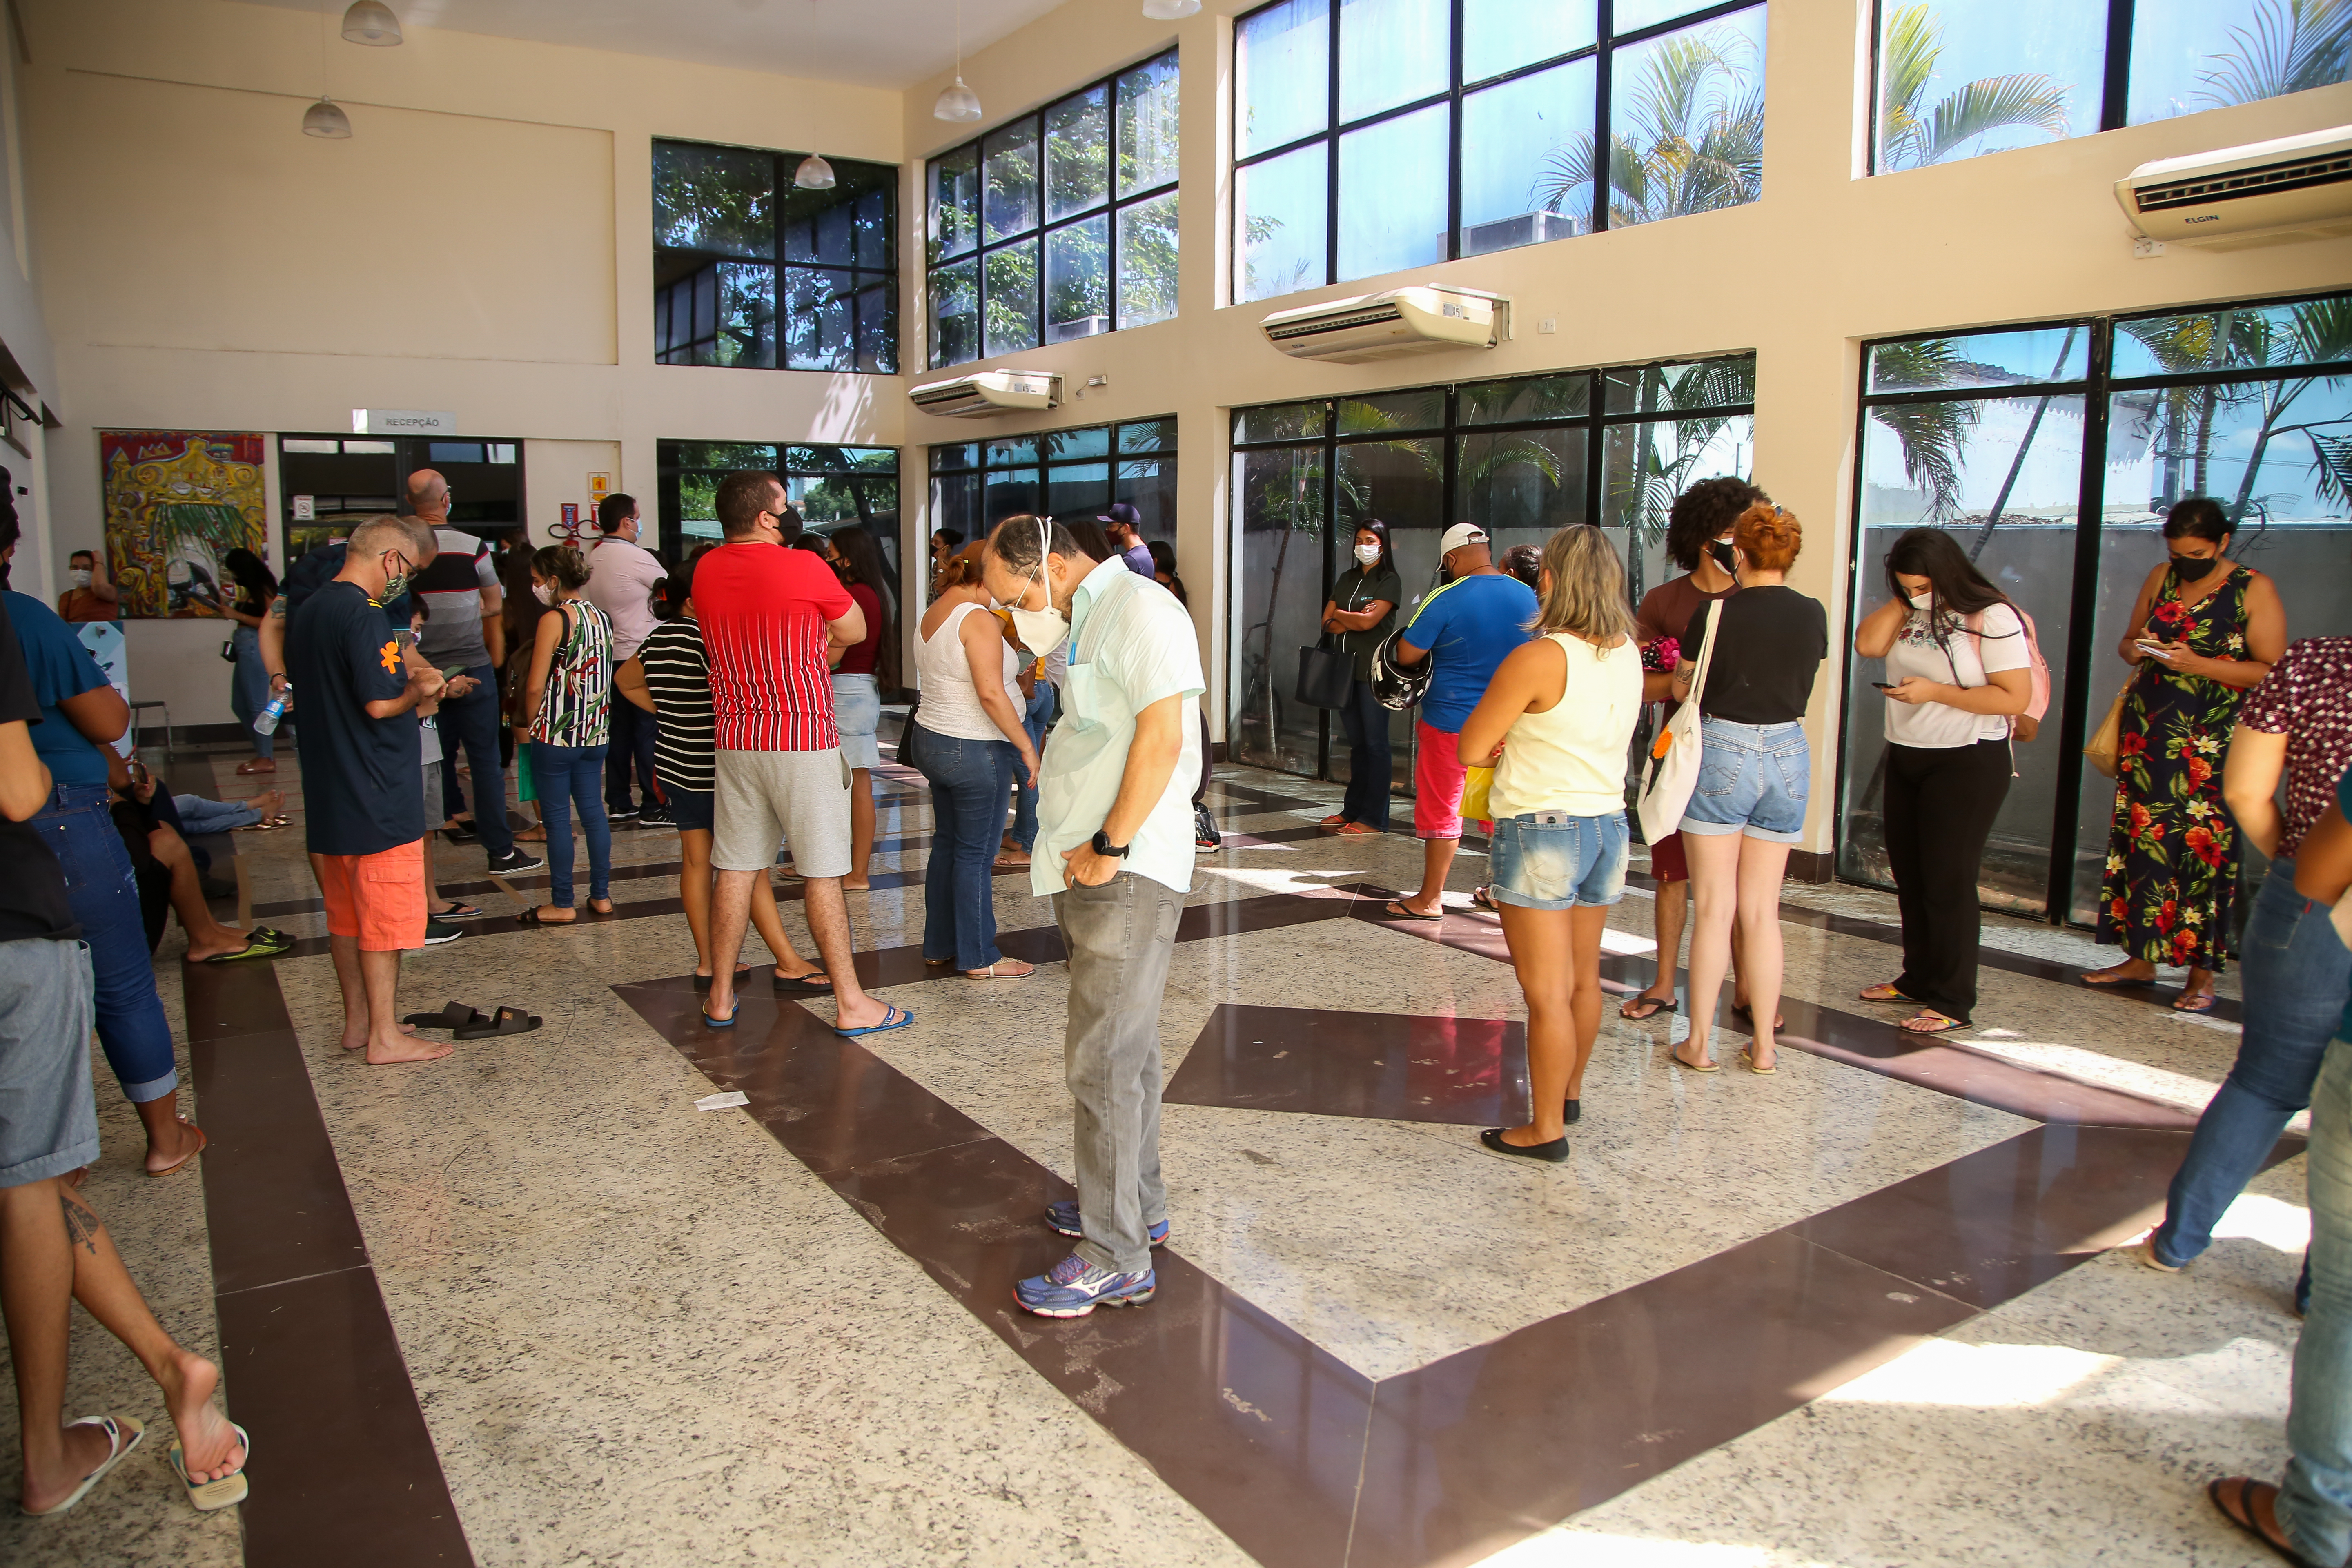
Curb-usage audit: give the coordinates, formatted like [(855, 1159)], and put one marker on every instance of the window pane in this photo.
[(1280, 421), (1982, 359), (1524, 486), (878, 320), (1632, 16), (1279, 511), (2189, 55), (1078, 154), (1498, 35), (720, 200), (1281, 64), (965, 455), (1078, 489), (1687, 112), (955, 314), (955, 503), (1010, 297), (1644, 467), (1012, 451), (725, 455), (1008, 166), (747, 315), (1147, 126), (1147, 436), (1420, 410), (1956, 77), (1146, 261), (1392, 193), (1283, 222), (1077, 291), (2311, 333), (1526, 397), (821, 331), (1526, 160), (1701, 383), (1149, 487), (1392, 52), (1010, 492), (874, 225), (1087, 441)]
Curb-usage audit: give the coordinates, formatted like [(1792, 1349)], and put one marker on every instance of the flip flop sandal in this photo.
[(221, 1491), (1334, 820), (1942, 1026), (1353, 830), (2094, 981), (1396, 911), (1780, 1020), (990, 973), (255, 946), (939, 964), (188, 1159), (2199, 1001), (802, 984), (453, 1015), (1479, 899), (1883, 991), (459, 911), (2243, 1515), (1749, 1058), (530, 917), (896, 1018), (505, 1021), (727, 1023), (114, 1427), (1649, 1007), (248, 770), (702, 981), (266, 825), (1693, 1067)]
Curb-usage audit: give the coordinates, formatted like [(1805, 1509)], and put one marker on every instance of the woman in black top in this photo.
[(1755, 768), (1362, 610), (249, 686)]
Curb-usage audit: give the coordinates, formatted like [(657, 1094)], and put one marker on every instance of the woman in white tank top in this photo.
[(972, 736), (1556, 721)]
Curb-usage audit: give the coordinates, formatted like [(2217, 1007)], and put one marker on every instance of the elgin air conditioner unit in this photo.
[(2266, 193), (1417, 321), (988, 392)]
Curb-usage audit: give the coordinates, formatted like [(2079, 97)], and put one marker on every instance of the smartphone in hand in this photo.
[(1884, 684)]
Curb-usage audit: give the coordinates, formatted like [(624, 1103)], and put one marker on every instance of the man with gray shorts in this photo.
[(770, 618)]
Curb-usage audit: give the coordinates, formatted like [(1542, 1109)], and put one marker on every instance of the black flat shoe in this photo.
[(1552, 1154), (1572, 1111)]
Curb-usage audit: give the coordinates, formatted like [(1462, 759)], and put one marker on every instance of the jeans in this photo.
[(968, 780), (1550, 860), (2315, 1503), (248, 688), (473, 721), (1752, 779), (634, 729), (198, 815), (1025, 798), (1940, 804), (565, 774), (1119, 938), (78, 826), (2295, 977), (1367, 723)]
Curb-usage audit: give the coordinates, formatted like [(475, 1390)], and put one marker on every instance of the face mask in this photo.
[(1041, 631), (80, 578), (1367, 553), (543, 593), (394, 587), (1918, 601), (2189, 568), (1721, 551)]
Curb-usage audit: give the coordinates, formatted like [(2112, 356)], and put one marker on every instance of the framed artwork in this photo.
[(177, 501)]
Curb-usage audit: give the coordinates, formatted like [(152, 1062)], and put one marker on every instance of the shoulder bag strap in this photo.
[(1706, 650)]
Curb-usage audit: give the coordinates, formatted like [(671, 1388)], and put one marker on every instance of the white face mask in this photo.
[(1367, 553), (1041, 631), (79, 576), (543, 593)]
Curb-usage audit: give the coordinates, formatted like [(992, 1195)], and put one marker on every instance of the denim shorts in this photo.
[(1752, 779), (51, 1125), (857, 710), (1549, 860), (691, 809)]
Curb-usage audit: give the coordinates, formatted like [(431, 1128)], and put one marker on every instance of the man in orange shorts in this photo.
[(362, 779)]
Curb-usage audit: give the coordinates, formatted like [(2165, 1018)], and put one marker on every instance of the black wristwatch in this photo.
[(1103, 847)]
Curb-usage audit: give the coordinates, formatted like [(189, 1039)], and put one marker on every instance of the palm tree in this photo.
[(1696, 114), (2290, 46), (1909, 139)]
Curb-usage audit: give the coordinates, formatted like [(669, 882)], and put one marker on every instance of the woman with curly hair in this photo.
[(2203, 632)]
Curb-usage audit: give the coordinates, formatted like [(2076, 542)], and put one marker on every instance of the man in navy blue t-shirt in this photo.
[(1466, 628)]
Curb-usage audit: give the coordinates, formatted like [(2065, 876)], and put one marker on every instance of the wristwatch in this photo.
[(1104, 846)]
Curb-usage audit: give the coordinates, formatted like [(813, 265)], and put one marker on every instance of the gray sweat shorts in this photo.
[(765, 798)]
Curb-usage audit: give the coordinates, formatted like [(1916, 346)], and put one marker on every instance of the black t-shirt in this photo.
[(1358, 589), (1769, 646), (362, 778), (32, 885)]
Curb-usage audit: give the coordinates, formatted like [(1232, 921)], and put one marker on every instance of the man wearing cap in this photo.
[(1119, 526), (1466, 628)]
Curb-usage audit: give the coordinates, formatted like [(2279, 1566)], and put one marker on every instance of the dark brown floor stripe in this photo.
[(344, 1469), (1465, 1072)]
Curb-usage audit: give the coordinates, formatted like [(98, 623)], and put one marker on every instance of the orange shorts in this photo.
[(378, 897)]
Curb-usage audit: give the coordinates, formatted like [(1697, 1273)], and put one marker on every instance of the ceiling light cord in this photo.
[(325, 118), (958, 104), (813, 174)]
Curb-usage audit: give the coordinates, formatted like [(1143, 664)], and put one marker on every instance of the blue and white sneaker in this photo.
[(1075, 1287), (1063, 1219)]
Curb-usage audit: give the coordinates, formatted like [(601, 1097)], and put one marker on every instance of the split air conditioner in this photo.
[(2266, 193), (1416, 320), (990, 392)]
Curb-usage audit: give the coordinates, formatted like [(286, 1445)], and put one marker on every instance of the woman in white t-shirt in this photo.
[(1959, 671)]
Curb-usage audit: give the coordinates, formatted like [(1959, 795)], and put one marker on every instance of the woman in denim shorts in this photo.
[(1556, 721), (1753, 769)]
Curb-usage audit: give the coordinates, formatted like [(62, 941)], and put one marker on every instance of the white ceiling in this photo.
[(872, 43)]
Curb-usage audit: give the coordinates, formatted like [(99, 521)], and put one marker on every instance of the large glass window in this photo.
[(1522, 459), (1071, 473), (1060, 225), (832, 486), (1375, 135), (751, 271), (1958, 78)]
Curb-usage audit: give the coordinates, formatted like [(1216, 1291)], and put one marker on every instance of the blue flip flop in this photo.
[(897, 1018), (727, 1023)]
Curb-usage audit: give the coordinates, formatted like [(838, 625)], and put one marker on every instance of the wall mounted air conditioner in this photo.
[(1417, 321), (2266, 193), (990, 392)]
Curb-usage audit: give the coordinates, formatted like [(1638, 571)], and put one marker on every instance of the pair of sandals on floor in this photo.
[(123, 1435)]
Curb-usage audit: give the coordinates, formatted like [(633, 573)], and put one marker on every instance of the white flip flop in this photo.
[(114, 1425), (226, 1491)]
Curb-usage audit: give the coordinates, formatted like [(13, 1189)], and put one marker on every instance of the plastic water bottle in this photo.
[(265, 721)]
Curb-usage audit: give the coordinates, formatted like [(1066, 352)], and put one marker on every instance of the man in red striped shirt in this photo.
[(773, 622)]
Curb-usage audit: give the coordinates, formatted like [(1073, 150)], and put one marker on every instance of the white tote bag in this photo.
[(1674, 760)]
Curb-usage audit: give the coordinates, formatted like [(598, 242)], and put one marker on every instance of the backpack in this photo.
[(2026, 725)]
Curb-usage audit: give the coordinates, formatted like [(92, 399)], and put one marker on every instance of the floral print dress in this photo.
[(2172, 854)]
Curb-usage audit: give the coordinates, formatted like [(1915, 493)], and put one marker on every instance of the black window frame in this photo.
[(1114, 456), (1112, 205), (671, 470), (1601, 51)]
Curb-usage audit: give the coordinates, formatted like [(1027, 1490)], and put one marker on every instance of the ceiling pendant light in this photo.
[(326, 117), (813, 174), (958, 104), (1170, 10), (372, 22)]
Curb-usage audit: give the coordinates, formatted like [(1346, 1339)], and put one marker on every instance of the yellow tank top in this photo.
[(1571, 757)]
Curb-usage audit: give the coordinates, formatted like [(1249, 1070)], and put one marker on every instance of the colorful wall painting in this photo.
[(177, 503)]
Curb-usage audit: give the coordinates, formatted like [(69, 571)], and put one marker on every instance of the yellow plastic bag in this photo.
[(1475, 784)]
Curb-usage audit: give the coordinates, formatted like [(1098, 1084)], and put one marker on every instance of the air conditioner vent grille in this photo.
[(2294, 174), (1373, 316)]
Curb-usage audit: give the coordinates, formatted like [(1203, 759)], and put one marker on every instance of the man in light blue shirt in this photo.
[(1115, 853)]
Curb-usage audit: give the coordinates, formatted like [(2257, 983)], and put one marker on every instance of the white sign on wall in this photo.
[(402, 422), (306, 509)]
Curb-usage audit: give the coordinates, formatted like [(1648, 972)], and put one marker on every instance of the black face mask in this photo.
[(1720, 550), (2189, 568)]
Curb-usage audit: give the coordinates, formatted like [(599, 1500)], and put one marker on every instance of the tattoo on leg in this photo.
[(81, 1223)]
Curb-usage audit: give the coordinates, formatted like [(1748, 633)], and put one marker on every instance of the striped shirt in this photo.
[(763, 611), (576, 710), (678, 675)]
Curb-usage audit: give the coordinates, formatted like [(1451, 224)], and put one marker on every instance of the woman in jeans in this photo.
[(1958, 670), (570, 699), (2297, 724), (1362, 610), (864, 673), (248, 690), (971, 733), (1556, 721), (1753, 769)]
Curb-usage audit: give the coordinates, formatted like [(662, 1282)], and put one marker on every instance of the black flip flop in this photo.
[(1480, 899), (803, 985), (530, 917), (453, 1015), (1651, 1008), (506, 1021)]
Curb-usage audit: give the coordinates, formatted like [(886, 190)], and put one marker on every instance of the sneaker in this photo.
[(656, 816), (515, 860), (439, 932), (618, 817), (1075, 1287), (1063, 1219)]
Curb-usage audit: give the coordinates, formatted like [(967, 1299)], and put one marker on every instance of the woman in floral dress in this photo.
[(2203, 632)]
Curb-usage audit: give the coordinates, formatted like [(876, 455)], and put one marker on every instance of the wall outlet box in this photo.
[(1548, 324)]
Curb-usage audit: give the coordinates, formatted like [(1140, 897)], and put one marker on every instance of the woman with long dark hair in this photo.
[(248, 690), (1958, 673), (864, 673), (1361, 611)]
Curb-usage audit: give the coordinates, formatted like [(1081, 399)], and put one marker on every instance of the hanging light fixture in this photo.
[(1170, 10), (957, 103), (814, 173), (326, 117), (372, 22)]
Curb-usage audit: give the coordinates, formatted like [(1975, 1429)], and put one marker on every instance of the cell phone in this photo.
[(2149, 646), (1884, 684)]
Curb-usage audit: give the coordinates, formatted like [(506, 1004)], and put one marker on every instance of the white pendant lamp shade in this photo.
[(957, 103), (1170, 10), (813, 174), (326, 117), (372, 22)]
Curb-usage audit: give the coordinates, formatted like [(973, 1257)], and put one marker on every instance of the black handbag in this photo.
[(907, 747), (1327, 676)]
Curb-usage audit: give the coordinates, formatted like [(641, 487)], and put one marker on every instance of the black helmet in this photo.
[(1398, 686)]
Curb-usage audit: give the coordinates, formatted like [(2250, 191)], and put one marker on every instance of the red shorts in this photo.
[(1437, 778), (1666, 861), (378, 897)]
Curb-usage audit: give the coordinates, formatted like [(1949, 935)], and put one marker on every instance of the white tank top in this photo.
[(943, 674), (1571, 757)]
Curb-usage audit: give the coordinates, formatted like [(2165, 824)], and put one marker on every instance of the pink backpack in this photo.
[(2025, 725)]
